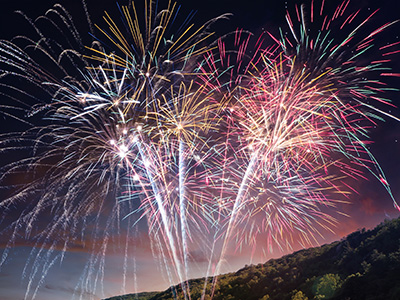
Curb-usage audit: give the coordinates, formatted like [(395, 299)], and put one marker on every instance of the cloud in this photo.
[(198, 256), (368, 205), (69, 290)]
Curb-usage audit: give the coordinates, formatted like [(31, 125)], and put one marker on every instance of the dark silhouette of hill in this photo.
[(138, 296), (364, 265)]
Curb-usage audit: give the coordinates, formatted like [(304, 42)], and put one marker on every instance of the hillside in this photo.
[(364, 265)]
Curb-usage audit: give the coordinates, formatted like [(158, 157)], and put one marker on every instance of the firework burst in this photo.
[(199, 138)]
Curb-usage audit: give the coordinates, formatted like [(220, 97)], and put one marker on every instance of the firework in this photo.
[(301, 117), (102, 137), (236, 139)]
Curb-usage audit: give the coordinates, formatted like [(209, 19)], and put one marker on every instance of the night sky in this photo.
[(369, 207)]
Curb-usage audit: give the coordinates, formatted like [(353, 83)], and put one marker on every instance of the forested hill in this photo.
[(364, 265)]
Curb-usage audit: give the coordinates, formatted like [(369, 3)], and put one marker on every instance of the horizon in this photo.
[(272, 258)]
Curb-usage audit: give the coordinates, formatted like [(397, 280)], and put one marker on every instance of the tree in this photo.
[(299, 295), (327, 286)]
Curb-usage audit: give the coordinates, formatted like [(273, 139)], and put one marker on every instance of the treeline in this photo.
[(364, 265)]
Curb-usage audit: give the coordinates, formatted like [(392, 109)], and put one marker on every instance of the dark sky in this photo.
[(370, 207)]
